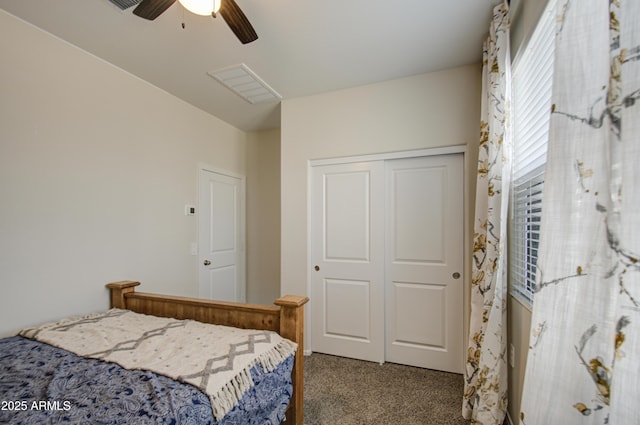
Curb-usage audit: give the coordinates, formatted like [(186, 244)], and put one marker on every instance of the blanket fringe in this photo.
[(229, 395)]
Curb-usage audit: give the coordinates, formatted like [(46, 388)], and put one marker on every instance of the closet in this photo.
[(387, 253)]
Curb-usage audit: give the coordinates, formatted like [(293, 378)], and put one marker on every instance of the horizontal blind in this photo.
[(527, 216), (532, 83), (532, 88)]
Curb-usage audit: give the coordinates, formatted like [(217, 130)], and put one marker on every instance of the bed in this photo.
[(108, 367)]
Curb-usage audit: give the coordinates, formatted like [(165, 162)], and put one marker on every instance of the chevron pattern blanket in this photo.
[(215, 359)]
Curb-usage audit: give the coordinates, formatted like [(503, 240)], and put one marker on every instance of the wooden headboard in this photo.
[(286, 318)]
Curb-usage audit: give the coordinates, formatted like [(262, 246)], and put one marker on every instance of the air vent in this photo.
[(125, 4), (246, 84)]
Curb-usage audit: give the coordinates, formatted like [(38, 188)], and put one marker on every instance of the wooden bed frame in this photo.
[(287, 319)]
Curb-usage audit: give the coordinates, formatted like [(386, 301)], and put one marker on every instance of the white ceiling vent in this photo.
[(246, 84), (125, 4)]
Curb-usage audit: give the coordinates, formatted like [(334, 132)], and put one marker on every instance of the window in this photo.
[(532, 83), (527, 202)]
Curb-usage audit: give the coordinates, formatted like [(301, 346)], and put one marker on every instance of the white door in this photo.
[(221, 237), (424, 262), (387, 258), (347, 291)]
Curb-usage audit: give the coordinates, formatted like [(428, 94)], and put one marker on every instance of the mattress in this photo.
[(40, 383)]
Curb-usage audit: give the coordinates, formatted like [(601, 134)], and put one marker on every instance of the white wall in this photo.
[(424, 111), (95, 169), (263, 216)]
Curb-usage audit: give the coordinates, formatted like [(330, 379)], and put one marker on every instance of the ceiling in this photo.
[(305, 47)]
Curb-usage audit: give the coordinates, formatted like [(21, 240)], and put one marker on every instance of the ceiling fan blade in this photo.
[(151, 9), (237, 21)]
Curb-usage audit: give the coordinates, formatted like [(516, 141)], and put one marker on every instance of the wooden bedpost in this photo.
[(118, 290), (292, 327)]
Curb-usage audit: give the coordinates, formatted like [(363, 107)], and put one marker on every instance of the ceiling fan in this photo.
[(229, 9)]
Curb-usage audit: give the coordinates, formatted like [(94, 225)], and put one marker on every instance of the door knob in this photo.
[(456, 275), (207, 262), (316, 268)]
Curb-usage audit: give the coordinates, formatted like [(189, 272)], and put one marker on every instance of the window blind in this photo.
[(527, 197), (532, 83), (532, 88)]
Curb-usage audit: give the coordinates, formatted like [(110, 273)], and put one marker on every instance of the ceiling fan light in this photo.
[(201, 7)]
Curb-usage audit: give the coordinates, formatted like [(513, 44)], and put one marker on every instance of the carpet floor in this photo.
[(341, 391)]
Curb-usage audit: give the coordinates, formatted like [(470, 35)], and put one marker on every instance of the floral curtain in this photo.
[(583, 365), (485, 392)]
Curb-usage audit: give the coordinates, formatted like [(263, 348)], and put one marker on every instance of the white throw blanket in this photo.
[(215, 359)]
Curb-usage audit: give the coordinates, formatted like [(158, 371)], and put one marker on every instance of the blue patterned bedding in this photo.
[(42, 384)]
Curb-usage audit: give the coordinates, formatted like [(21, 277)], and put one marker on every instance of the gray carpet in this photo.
[(341, 391)]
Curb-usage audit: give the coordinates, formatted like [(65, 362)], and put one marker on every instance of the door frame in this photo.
[(467, 230), (241, 291)]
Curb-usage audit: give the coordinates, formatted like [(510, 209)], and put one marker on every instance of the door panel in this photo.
[(347, 285), (416, 217), (346, 212), (220, 283), (224, 210), (416, 304), (347, 311), (221, 237), (424, 312)]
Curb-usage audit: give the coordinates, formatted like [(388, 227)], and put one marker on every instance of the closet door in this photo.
[(424, 262), (387, 261), (347, 294)]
